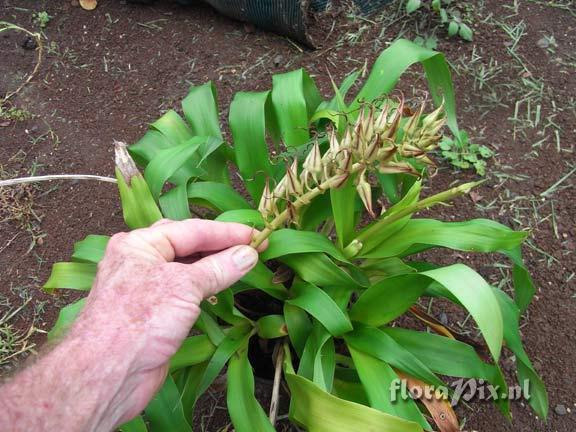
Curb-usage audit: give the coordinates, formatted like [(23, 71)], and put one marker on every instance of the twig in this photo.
[(7, 26), (34, 179), (552, 188), (276, 387)]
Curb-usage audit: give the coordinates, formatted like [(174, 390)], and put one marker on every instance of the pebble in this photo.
[(277, 60), (560, 410)]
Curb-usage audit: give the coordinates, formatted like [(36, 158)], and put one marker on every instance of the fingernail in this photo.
[(245, 257)]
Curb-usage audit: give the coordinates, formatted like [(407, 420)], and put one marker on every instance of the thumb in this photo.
[(218, 271)]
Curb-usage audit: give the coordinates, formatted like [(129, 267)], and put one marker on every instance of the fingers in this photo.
[(196, 235), (218, 271)]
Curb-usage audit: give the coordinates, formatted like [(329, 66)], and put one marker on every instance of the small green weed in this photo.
[(449, 14), (14, 114), (462, 154), (41, 19)]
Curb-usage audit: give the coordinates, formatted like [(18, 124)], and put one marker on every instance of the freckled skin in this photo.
[(145, 299)]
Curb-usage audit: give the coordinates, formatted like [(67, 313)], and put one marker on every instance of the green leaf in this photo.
[(248, 217), (260, 277), (91, 249), (147, 147), (453, 28), (396, 59), (168, 161), (299, 327), (248, 126), (138, 205), (389, 298), (165, 411), (321, 306), (478, 235), (137, 424), (295, 99), (511, 314), (194, 350), (374, 307), (174, 203), (224, 308), (378, 344), (201, 110), (246, 413), (236, 339), (377, 378), (288, 241), (67, 275), (318, 358), (465, 32), (319, 269), (220, 196), (66, 318), (450, 357), (343, 202), (524, 288), (271, 327), (171, 126), (413, 5), (319, 411)]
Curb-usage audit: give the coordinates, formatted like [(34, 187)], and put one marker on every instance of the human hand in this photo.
[(147, 296)]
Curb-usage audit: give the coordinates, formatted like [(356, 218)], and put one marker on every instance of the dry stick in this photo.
[(40, 51), (12, 182), (276, 387)]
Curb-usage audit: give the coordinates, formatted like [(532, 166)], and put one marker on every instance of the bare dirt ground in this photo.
[(108, 73)]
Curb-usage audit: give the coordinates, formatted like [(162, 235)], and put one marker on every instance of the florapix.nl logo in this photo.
[(459, 390)]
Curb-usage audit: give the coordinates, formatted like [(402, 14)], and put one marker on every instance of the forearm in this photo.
[(77, 386)]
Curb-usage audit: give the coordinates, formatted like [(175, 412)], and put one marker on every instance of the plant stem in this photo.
[(276, 387), (12, 182), (300, 202)]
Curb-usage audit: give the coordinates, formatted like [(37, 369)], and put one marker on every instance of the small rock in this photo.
[(29, 43), (444, 318), (277, 60), (560, 410), (543, 43)]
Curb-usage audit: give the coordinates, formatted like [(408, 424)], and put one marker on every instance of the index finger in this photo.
[(198, 235)]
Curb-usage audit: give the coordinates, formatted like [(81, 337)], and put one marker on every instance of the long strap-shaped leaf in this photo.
[(319, 411), (137, 424), (78, 276), (394, 61), (450, 357), (318, 358), (246, 413), (478, 235), (165, 411), (378, 344), (538, 399), (377, 378), (295, 98), (91, 249), (66, 317), (471, 290), (218, 195), (288, 241), (138, 205), (194, 350), (319, 269), (321, 306), (248, 125)]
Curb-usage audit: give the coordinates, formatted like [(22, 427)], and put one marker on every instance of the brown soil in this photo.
[(110, 72)]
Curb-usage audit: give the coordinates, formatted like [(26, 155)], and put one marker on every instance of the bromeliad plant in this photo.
[(337, 206)]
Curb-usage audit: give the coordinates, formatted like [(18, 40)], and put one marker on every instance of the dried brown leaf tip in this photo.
[(124, 162)]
